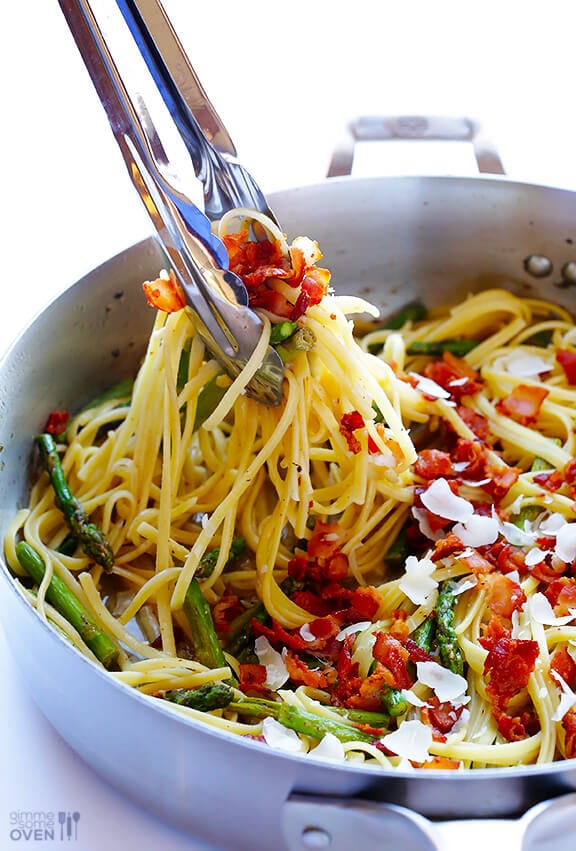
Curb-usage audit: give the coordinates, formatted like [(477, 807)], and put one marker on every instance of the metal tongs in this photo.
[(216, 297)]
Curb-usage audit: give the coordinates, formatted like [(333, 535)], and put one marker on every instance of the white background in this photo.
[(285, 77)]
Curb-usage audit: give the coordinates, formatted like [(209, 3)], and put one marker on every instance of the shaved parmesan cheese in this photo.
[(411, 740), (439, 499), (464, 584), (417, 583), (566, 542), (306, 633), (458, 382), (461, 722), (552, 523), (478, 530), (567, 697), (535, 556), (421, 516), (412, 698), (542, 612), (514, 535), (460, 466), (280, 737), (523, 365), (429, 387), (331, 748), (360, 626), (446, 685), (276, 672)]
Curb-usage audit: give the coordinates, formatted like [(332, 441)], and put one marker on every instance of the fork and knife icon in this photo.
[(67, 820)]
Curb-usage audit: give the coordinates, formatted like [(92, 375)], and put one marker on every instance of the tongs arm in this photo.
[(227, 184), (216, 297)]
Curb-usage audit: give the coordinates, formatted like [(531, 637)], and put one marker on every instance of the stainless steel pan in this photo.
[(385, 238)]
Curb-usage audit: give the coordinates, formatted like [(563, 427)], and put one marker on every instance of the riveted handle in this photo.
[(380, 128)]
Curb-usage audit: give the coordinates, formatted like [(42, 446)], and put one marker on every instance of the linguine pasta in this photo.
[(405, 588)]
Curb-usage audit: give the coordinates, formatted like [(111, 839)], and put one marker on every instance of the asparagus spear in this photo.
[(394, 701), (437, 348), (282, 331), (90, 537), (205, 698), (398, 550), (207, 648), (424, 634), (302, 340), (209, 559), (526, 515), (450, 651), (120, 390), (208, 398), (69, 606), (411, 312), (306, 723)]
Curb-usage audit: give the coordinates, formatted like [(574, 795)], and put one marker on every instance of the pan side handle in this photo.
[(380, 128), (339, 824)]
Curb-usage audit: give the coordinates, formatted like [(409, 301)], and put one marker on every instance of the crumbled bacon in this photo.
[(507, 667), (504, 596), (165, 294), (563, 663), (56, 422), (450, 371), (567, 360), (569, 725), (225, 610), (390, 652), (349, 423), (433, 464), (523, 404)]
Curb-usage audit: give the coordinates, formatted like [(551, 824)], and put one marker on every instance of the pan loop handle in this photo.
[(381, 128)]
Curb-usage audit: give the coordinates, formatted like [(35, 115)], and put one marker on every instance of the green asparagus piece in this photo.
[(183, 365), (302, 340), (398, 550), (69, 606), (68, 545), (364, 716), (120, 390), (411, 312), (394, 701), (90, 537), (240, 635), (205, 698), (424, 634), (306, 723), (209, 559), (539, 464), (526, 515), (208, 399), (282, 331), (450, 652), (542, 339), (437, 348), (207, 648)]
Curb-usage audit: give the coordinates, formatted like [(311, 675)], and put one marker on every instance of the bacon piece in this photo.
[(475, 422), (56, 422), (225, 610), (301, 674), (563, 663), (364, 604), (390, 652), (369, 695), (504, 595), (433, 464), (567, 360), (326, 540), (507, 667), (440, 715), (562, 595), (253, 679), (551, 481), (165, 295), (452, 369), (569, 725), (440, 762), (349, 423), (523, 404)]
